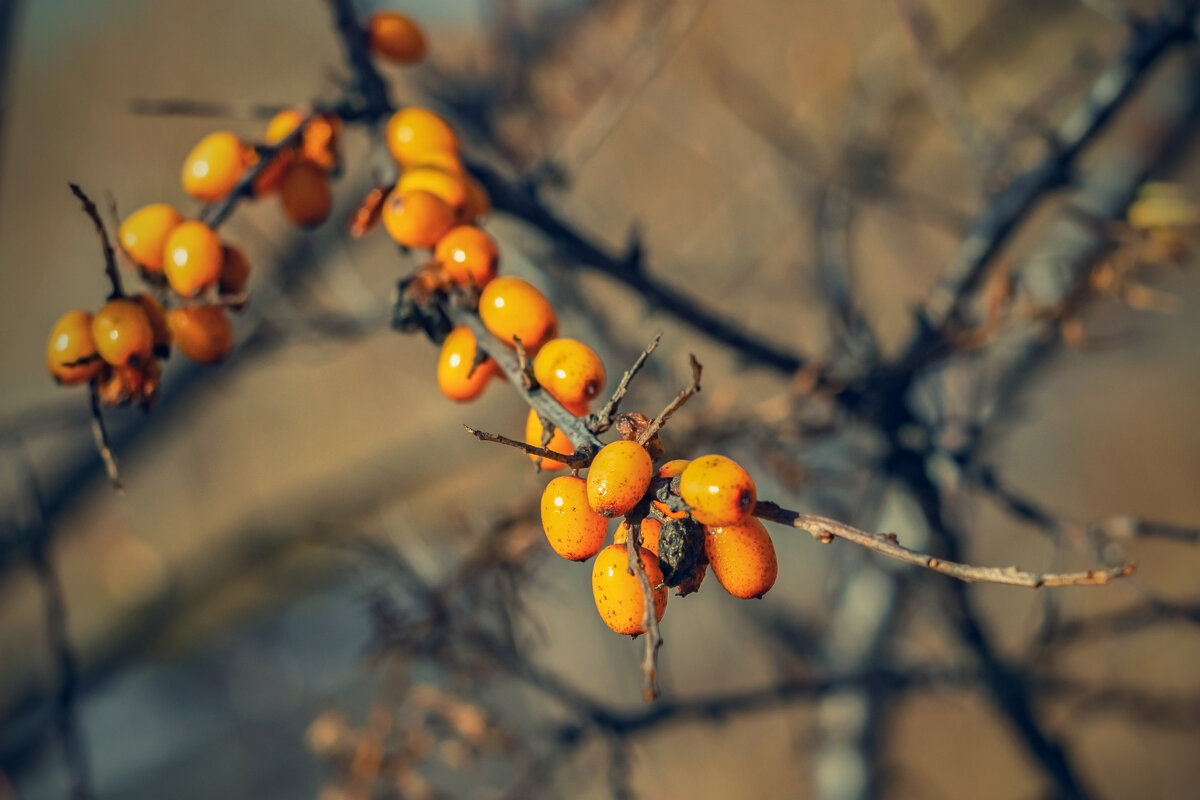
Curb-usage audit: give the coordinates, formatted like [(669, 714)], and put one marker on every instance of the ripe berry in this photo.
[(235, 271), (574, 530), (396, 37), (319, 142), (468, 255), (478, 203), (458, 376), (651, 530), (671, 469), (203, 333), (144, 232), (158, 323), (445, 160), (449, 186), (618, 594), (559, 442), (569, 370), (413, 131), (742, 557), (122, 333), (417, 219), (71, 352), (192, 257), (718, 490), (214, 166), (619, 476), (305, 193), (511, 307)]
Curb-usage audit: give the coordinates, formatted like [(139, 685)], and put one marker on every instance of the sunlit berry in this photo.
[(413, 131), (510, 308), (575, 531), (718, 489), (671, 469), (283, 124), (651, 529), (144, 232), (458, 375), (559, 441), (396, 37), (618, 477), (192, 257), (449, 186), (618, 594), (203, 333), (742, 557), (417, 219), (468, 255), (215, 165), (569, 370), (122, 333), (71, 352), (306, 194)]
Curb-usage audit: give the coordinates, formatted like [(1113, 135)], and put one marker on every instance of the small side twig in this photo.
[(110, 257), (100, 434), (654, 640), (656, 424), (572, 460), (826, 530), (602, 420)]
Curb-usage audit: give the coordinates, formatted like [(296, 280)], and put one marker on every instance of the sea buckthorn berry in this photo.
[(445, 160), (458, 376), (319, 142), (619, 476), (718, 489), (559, 442), (305, 193), (477, 204), (235, 271), (192, 257), (574, 530), (511, 307), (569, 370), (396, 37), (742, 557), (122, 333), (71, 351), (203, 333), (413, 131), (144, 232), (417, 218), (215, 165), (158, 323), (283, 124), (618, 594), (468, 255), (651, 529), (438, 182), (671, 469)]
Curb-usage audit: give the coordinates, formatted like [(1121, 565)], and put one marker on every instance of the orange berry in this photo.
[(671, 469), (559, 442), (618, 594), (122, 333), (458, 376), (235, 271), (71, 351), (619, 476), (742, 557), (144, 232), (417, 218), (396, 37), (305, 193), (574, 530), (477, 204), (270, 178), (192, 257), (414, 131), (510, 307), (203, 333), (651, 530), (569, 370), (718, 490), (468, 255), (319, 143), (445, 160), (158, 322), (438, 182), (215, 165), (283, 124)]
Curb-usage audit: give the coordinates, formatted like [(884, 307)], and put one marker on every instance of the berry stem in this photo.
[(103, 447), (110, 257)]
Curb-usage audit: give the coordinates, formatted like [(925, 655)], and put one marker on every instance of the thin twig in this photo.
[(602, 420), (100, 434), (656, 424), (826, 530), (633, 547), (110, 258), (572, 460)]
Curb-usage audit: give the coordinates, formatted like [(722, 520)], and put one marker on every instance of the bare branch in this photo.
[(100, 435), (656, 424), (573, 460), (110, 259), (602, 420)]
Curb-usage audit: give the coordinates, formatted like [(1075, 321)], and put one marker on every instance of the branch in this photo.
[(825, 530), (110, 258), (572, 460), (654, 640), (602, 420), (656, 424), (103, 447)]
